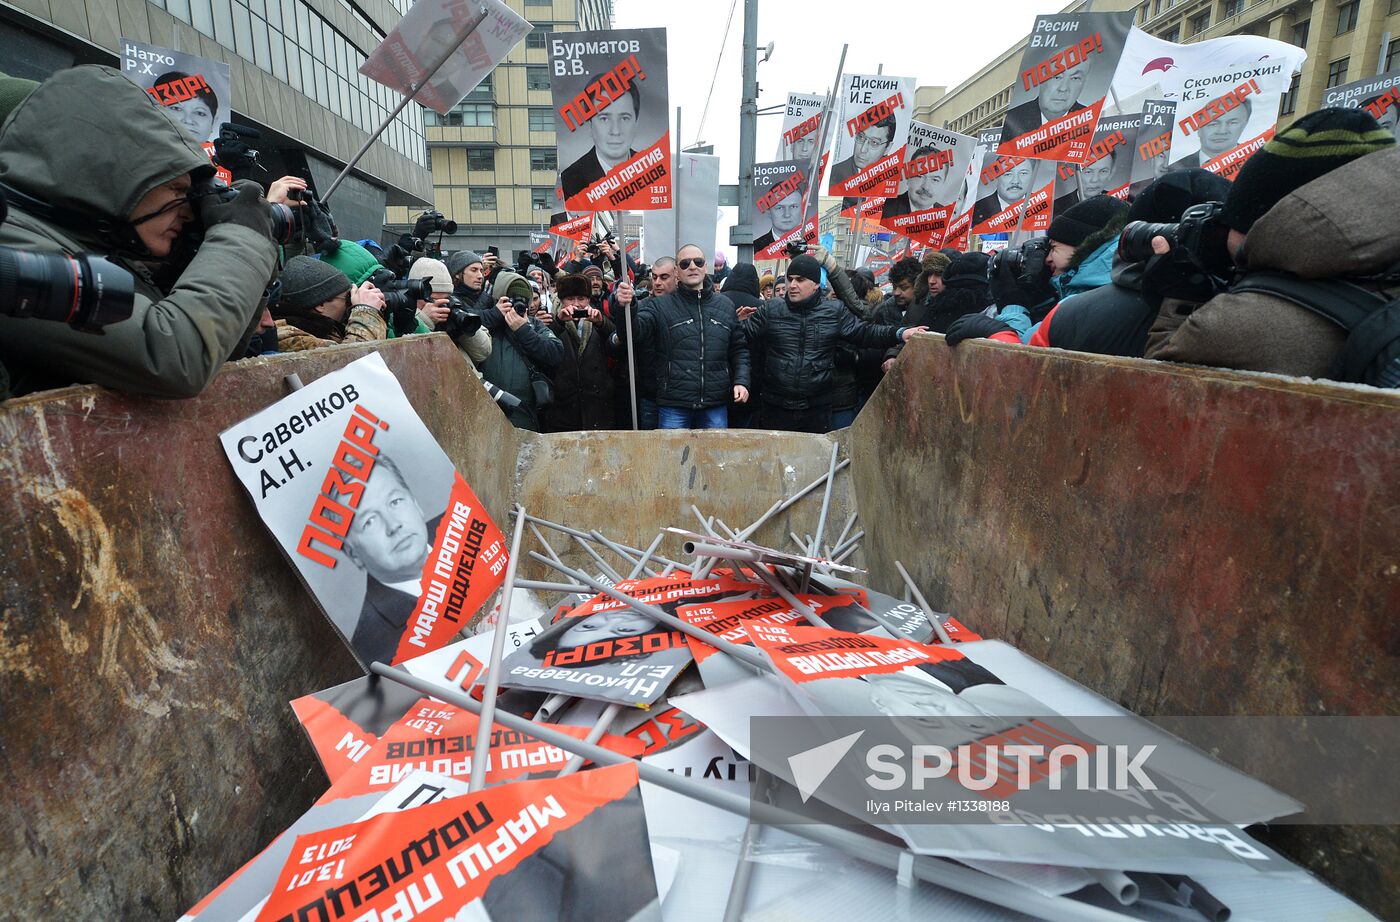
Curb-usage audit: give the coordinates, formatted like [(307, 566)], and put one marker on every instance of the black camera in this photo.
[(521, 306), (580, 313), (231, 148), (461, 320), (433, 222), (1025, 263), (796, 248), (594, 250), (400, 294), (1199, 241), (312, 219), (85, 291)]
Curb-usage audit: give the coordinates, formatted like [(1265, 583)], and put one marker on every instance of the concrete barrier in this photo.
[(1185, 541)]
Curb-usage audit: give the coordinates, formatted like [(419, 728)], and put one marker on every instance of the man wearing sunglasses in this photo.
[(700, 356), (122, 191)]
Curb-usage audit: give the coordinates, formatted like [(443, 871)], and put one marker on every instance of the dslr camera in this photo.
[(312, 220), (433, 222), (796, 248), (1199, 242), (593, 250), (401, 297), (461, 320), (1025, 263), (85, 291)]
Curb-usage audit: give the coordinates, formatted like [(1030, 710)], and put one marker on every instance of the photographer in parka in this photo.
[(92, 164)]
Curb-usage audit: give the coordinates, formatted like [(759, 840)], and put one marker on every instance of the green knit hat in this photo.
[(13, 91), (354, 260), (1313, 146)]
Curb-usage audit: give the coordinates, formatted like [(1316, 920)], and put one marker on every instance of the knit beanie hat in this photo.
[(590, 269), (1165, 200), (573, 285), (806, 267), (1084, 219), (13, 91), (307, 282), (966, 267), (460, 260), (935, 262), (355, 261), (1315, 145), (434, 269)]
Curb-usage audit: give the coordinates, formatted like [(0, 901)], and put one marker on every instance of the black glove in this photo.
[(1008, 290), (426, 224), (974, 326), (1168, 276), (548, 265), (247, 209)]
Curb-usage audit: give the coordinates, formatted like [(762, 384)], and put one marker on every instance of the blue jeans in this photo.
[(681, 418), (646, 413), (840, 419)]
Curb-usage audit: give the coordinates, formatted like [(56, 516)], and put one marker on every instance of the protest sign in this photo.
[(1062, 84), (1152, 67), (779, 189), (959, 228), (612, 118), (482, 31), (528, 850), (1223, 117), (1379, 95), (197, 91), (802, 132), (441, 738), (1108, 170), (1003, 183), (1152, 150), (344, 722), (392, 543), (931, 180), (605, 650), (875, 114)]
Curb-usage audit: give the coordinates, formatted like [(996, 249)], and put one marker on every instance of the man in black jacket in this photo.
[(701, 357), (799, 338)]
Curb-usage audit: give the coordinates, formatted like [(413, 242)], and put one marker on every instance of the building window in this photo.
[(1346, 16), (536, 77), (1300, 33), (428, 159), (481, 158), (482, 199), (481, 92), (1394, 7), (1392, 55), (1200, 23), (541, 119), (1290, 98), (544, 159), (1232, 8), (541, 198), (1173, 34), (1156, 7), (535, 39), (1337, 71), (464, 115), (1143, 12)]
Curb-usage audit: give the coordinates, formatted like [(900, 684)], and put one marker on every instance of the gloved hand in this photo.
[(1008, 290), (1167, 276), (247, 208), (974, 326)]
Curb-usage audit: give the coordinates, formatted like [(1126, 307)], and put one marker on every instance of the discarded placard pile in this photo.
[(596, 763)]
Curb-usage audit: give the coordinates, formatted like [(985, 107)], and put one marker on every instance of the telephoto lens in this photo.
[(86, 292), (1135, 243)]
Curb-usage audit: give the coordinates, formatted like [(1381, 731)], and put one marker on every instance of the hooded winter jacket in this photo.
[(1090, 267), (583, 385), (799, 344), (507, 366), (699, 348), (1340, 225), (1111, 320), (90, 140)]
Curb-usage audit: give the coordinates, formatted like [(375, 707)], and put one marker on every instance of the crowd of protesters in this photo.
[(1309, 220)]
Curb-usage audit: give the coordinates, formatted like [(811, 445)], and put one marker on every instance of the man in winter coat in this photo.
[(961, 290), (583, 386), (319, 307), (701, 359), (799, 339), (435, 314), (904, 282), (468, 272), (523, 350), (1082, 243), (120, 188), (1319, 201)]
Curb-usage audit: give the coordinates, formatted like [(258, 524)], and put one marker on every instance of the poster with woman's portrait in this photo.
[(196, 91)]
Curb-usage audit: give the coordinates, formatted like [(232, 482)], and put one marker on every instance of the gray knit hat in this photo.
[(307, 282), (459, 260)]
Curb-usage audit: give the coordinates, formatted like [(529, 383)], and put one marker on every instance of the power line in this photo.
[(704, 114)]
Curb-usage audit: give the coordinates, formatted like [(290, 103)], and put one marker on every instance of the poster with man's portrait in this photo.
[(470, 37), (1224, 116), (394, 546), (612, 119), (802, 132), (779, 192), (870, 135), (1152, 150), (1062, 84), (1379, 96), (930, 183), (1003, 184), (1107, 171)]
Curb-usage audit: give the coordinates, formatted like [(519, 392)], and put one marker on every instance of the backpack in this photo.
[(1372, 351)]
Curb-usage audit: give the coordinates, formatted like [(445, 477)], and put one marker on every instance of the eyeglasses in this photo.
[(698, 262)]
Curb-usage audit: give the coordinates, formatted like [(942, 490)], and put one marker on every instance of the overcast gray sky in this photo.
[(937, 42)]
